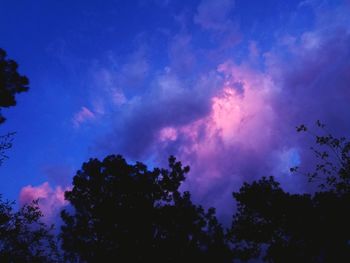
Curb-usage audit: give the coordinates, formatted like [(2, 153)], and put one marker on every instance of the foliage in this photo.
[(11, 82), (332, 170), (284, 227), (281, 227), (131, 214), (23, 237)]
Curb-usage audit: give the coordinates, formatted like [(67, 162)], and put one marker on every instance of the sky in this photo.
[(220, 84)]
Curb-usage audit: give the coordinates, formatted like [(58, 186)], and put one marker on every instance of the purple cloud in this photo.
[(237, 122), (51, 201), (231, 122), (82, 116)]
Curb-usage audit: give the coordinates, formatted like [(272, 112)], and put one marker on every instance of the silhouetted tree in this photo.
[(23, 237), (281, 227), (11, 82), (332, 171), (127, 213)]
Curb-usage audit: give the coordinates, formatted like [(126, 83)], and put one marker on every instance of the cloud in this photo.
[(171, 102), (114, 83), (226, 145), (82, 116), (213, 14), (182, 55), (248, 130), (51, 200), (231, 121)]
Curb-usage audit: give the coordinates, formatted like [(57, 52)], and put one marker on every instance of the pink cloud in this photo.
[(51, 200), (233, 122), (238, 118), (167, 133), (82, 116)]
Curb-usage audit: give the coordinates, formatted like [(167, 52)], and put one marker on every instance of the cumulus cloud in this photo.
[(231, 141), (234, 121), (51, 200), (170, 102)]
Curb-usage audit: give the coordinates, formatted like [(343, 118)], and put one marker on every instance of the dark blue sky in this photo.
[(220, 84)]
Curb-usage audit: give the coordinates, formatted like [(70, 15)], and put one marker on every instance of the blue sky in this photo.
[(220, 84)]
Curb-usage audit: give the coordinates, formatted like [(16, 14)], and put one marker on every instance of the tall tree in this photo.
[(127, 213)]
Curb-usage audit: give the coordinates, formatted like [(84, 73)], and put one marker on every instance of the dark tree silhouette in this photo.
[(11, 82), (127, 213), (281, 227), (332, 171), (23, 237)]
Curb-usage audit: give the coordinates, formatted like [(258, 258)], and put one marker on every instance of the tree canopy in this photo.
[(131, 214), (281, 227), (23, 237)]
